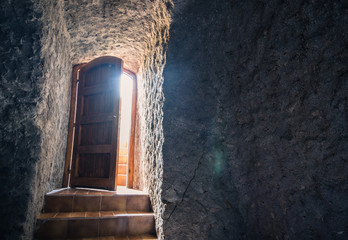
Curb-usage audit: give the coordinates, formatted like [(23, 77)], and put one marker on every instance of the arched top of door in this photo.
[(103, 60)]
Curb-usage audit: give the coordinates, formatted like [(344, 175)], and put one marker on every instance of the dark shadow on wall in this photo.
[(255, 121), (34, 92), (20, 137)]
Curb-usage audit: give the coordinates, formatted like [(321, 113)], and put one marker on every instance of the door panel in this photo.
[(96, 133), (98, 103), (95, 165), (96, 128)]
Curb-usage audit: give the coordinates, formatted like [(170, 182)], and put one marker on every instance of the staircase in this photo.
[(92, 214), (122, 166)]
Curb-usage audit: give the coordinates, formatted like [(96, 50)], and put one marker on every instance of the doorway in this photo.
[(126, 103), (94, 138)]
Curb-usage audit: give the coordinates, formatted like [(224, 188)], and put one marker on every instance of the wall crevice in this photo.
[(187, 187)]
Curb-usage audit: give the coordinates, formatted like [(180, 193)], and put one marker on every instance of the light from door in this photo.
[(125, 127)]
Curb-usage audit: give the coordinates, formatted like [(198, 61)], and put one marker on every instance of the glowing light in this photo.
[(126, 89)]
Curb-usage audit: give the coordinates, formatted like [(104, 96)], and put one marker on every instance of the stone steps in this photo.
[(139, 237), (94, 202), (90, 215), (73, 214)]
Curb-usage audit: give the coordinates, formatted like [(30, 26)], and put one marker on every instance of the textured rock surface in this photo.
[(53, 107), (149, 161), (39, 39), (107, 27), (35, 79), (19, 134), (255, 121)]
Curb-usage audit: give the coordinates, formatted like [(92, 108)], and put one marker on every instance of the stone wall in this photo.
[(35, 71), (107, 27), (149, 136), (255, 121), (38, 40), (53, 105)]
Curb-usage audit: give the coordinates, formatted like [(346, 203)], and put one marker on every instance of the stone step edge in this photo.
[(97, 195), (48, 216), (130, 237)]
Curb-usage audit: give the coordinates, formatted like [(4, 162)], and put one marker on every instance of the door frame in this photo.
[(72, 119)]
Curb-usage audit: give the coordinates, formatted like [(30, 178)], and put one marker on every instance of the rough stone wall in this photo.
[(149, 141), (255, 121), (107, 27), (138, 171), (35, 72), (20, 137), (52, 115)]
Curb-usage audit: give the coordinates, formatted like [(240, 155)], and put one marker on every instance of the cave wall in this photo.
[(255, 121), (107, 27), (40, 42), (148, 161), (35, 79)]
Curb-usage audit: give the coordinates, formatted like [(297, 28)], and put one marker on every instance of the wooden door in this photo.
[(96, 128)]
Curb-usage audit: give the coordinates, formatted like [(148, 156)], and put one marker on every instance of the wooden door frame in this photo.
[(71, 127)]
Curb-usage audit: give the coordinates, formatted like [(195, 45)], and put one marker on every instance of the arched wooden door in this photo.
[(94, 157)]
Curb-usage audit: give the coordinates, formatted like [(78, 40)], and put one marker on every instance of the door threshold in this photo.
[(125, 190)]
